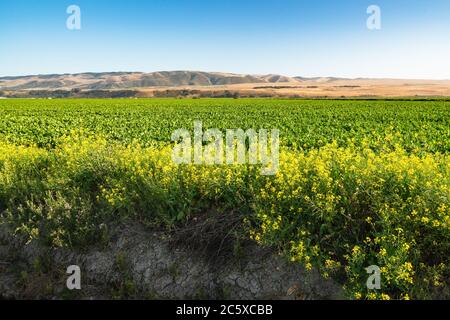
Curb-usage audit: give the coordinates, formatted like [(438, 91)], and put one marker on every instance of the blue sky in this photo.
[(291, 37)]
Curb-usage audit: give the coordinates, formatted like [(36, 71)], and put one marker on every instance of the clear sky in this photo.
[(290, 37)]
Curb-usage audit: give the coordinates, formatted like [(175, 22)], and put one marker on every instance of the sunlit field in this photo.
[(359, 183)]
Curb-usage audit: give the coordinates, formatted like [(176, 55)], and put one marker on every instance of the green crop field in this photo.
[(360, 183), (419, 125)]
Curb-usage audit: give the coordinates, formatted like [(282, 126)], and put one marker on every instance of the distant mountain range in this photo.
[(130, 80)]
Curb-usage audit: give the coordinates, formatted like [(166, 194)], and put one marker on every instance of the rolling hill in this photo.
[(127, 80)]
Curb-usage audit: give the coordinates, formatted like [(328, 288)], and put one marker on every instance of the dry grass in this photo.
[(333, 89)]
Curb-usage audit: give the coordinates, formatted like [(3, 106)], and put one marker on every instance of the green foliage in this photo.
[(360, 183), (419, 126)]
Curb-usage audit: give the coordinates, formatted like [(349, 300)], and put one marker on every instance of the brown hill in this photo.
[(128, 80), (215, 84)]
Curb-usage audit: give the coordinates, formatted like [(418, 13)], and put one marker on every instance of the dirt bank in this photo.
[(137, 263)]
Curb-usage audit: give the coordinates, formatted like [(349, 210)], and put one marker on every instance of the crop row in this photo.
[(417, 126)]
